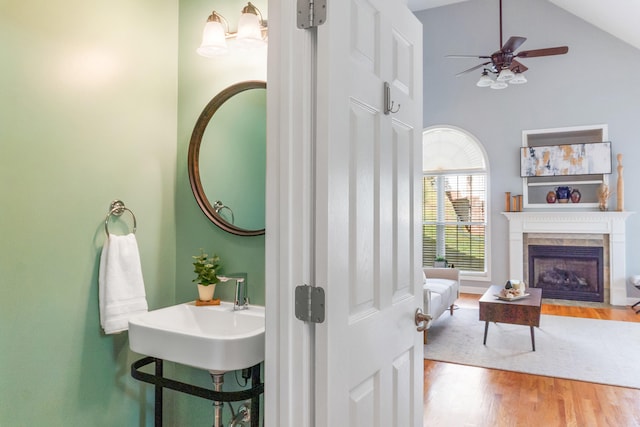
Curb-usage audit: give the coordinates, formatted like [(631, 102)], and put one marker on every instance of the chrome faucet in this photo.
[(241, 300)]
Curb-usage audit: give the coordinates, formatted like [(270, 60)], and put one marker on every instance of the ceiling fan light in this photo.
[(505, 74), (518, 79), (498, 85), (485, 80)]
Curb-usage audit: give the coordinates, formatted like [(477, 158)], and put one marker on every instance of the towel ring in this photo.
[(218, 206), (117, 208)]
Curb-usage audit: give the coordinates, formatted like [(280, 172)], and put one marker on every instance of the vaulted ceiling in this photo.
[(617, 17)]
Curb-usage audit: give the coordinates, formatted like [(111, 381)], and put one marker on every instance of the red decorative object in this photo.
[(575, 196), (551, 197)]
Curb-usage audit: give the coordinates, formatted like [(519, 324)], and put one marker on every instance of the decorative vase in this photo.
[(205, 292), (551, 197), (603, 196), (563, 194), (575, 196)]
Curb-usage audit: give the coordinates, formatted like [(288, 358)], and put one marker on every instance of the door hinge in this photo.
[(311, 13), (309, 302)]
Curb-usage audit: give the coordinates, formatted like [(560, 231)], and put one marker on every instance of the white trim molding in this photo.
[(611, 224), (289, 370)]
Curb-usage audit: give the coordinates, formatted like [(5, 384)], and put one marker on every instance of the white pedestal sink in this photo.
[(214, 338)]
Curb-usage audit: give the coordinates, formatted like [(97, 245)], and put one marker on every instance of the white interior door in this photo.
[(343, 213), (369, 361)]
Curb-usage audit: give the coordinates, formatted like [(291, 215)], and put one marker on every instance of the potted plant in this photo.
[(207, 274), (440, 262)]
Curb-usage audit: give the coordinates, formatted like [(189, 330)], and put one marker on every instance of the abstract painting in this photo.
[(569, 159)]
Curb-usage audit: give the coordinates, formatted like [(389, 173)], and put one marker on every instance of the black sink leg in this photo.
[(158, 400)]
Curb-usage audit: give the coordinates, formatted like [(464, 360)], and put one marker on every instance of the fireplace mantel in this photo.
[(607, 223)]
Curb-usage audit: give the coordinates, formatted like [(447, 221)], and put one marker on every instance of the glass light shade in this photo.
[(484, 81), (249, 31), (505, 74), (213, 40), (499, 85), (518, 79)]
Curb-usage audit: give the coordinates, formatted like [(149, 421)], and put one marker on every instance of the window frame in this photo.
[(467, 274)]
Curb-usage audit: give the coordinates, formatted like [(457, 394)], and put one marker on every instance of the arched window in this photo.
[(455, 188)]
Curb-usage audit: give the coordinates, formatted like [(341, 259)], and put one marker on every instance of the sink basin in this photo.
[(214, 338)]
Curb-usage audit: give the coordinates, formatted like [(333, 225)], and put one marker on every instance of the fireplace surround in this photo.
[(611, 225)]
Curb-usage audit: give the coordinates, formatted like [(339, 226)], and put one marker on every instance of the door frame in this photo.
[(288, 356)]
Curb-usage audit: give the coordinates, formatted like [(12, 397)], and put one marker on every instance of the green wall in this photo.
[(97, 102), (88, 114), (200, 79)]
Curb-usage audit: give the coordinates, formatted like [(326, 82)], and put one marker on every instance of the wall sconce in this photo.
[(252, 32)]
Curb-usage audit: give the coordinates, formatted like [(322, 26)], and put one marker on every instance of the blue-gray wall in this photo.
[(594, 83)]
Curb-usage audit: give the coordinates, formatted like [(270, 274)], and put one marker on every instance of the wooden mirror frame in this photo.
[(194, 155)]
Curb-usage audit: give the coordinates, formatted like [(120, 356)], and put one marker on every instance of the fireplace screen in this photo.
[(567, 272)]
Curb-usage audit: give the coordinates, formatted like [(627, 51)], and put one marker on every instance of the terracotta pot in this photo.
[(205, 292)]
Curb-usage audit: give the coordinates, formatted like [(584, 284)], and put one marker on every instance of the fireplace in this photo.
[(567, 272), (609, 224)]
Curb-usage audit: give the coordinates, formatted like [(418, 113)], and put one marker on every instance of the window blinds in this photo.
[(454, 220)]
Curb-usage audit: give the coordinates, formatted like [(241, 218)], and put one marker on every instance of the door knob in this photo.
[(422, 320)]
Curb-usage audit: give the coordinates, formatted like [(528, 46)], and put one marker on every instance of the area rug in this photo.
[(599, 351)]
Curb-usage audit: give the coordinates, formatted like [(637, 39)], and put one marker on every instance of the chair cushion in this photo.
[(446, 288), (438, 295), (432, 302)]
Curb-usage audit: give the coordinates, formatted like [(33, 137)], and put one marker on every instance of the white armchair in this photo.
[(441, 290)]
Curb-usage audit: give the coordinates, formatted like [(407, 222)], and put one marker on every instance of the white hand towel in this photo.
[(121, 287)]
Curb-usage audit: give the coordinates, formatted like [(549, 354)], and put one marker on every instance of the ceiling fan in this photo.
[(503, 62)]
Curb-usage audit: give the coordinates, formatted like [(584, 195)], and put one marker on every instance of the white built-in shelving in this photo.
[(535, 188)]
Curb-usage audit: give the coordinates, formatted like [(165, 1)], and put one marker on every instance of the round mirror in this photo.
[(227, 159)]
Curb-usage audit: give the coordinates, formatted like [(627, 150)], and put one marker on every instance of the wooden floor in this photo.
[(458, 395)]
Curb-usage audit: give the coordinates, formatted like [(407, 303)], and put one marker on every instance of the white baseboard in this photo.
[(473, 289), (633, 300)]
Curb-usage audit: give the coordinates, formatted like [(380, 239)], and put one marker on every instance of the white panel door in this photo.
[(367, 215)]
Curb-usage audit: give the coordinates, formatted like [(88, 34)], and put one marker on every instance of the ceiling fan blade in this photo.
[(468, 56), (472, 68), (518, 67), (513, 43), (560, 50)]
